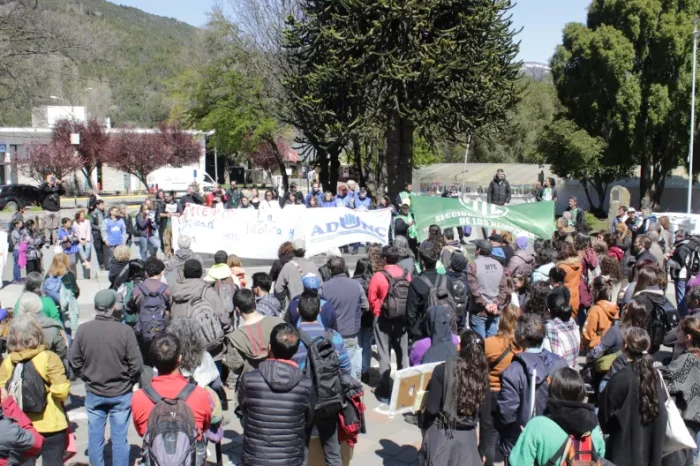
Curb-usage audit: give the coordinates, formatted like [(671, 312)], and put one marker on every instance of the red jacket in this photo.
[(379, 287), (170, 386), (17, 434)]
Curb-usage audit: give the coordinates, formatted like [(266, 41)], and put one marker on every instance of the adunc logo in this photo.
[(483, 208), (349, 224)]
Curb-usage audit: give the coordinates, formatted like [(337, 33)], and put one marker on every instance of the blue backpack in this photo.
[(52, 288)]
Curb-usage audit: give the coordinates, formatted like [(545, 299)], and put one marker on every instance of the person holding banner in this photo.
[(269, 203)]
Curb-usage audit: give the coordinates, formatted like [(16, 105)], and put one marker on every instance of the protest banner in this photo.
[(258, 234), (535, 220)]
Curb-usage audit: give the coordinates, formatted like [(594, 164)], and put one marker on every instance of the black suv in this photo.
[(14, 195)]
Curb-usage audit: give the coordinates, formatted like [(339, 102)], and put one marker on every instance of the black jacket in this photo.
[(190, 199), (498, 192), (52, 196), (118, 274), (417, 304), (106, 356), (96, 219), (276, 401), (631, 443), (277, 266)]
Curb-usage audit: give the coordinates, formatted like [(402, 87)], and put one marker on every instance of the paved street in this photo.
[(388, 441)]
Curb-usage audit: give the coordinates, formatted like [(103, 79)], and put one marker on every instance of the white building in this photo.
[(13, 141)]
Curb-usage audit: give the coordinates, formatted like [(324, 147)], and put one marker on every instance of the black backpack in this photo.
[(394, 305), (323, 366), (152, 317), (28, 388), (461, 296), (440, 294), (659, 321)]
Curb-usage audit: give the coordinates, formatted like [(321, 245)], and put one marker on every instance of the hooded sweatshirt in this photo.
[(218, 272), (277, 405), (513, 399), (541, 273), (268, 305), (442, 346), (174, 268), (522, 261), (544, 435), (248, 344), (573, 269), (601, 317)]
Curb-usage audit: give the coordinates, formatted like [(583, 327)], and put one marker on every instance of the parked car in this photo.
[(14, 195)]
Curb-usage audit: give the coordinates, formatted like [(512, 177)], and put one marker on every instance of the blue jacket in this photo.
[(317, 330), (63, 233), (366, 202), (344, 201), (319, 198), (326, 316), (328, 203), (113, 231), (513, 399)]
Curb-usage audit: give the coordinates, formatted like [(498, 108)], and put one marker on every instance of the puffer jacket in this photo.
[(498, 191), (51, 369), (522, 261), (573, 269), (277, 403)]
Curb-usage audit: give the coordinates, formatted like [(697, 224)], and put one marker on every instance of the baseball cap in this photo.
[(299, 244), (105, 300), (632, 209), (311, 281), (483, 244)]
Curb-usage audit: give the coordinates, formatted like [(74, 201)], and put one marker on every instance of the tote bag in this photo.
[(677, 435)]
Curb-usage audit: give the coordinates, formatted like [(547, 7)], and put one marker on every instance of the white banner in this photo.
[(258, 234)]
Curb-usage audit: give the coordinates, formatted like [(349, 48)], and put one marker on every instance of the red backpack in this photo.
[(576, 452)]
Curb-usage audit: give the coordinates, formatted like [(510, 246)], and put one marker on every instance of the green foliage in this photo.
[(625, 78)]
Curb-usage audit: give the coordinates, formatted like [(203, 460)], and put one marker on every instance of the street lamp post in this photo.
[(466, 158), (692, 119)]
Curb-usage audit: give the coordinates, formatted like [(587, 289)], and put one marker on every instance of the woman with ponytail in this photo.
[(682, 379), (632, 410), (457, 398)]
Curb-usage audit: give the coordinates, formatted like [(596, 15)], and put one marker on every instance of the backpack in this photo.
[(323, 366), (659, 322), (461, 296), (576, 452), (28, 388), (226, 288), (171, 433), (692, 259), (52, 288), (124, 293), (537, 393), (152, 317), (394, 305), (440, 294), (202, 311), (351, 420)]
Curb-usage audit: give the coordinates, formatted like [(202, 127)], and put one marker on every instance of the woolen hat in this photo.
[(192, 269), (458, 262), (105, 300)]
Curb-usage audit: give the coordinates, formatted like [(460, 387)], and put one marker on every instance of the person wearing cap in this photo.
[(106, 355), (192, 287), (327, 316), (523, 260), (350, 302), (498, 191), (249, 342), (457, 271), (576, 219), (500, 250), (288, 284), (419, 291), (489, 290)]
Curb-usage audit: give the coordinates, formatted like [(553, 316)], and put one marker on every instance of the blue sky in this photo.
[(542, 20)]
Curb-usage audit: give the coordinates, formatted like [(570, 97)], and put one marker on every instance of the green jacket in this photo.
[(541, 440), (412, 232), (49, 308)]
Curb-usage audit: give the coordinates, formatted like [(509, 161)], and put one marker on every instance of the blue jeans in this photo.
[(85, 251), (680, 286), (16, 270), (366, 337), (148, 246), (118, 409), (355, 354), (485, 326)]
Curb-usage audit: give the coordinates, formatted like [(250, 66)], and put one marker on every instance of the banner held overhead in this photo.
[(534, 219)]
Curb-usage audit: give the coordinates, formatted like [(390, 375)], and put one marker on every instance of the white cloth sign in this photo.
[(258, 234)]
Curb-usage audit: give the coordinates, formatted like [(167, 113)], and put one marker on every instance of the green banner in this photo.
[(534, 219)]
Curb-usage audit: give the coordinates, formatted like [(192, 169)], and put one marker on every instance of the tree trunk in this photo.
[(280, 164), (658, 178), (601, 190), (87, 171), (322, 157), (334, 154), (399, 153), (357, 152), (644, 178)]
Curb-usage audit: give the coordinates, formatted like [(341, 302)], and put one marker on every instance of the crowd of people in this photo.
[(555, 351)]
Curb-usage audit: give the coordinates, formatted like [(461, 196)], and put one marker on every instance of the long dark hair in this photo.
[(636, 346), (601, 289), (559, 306), (634, 315), (536, 302), (645, 280), (363, 269), (567, 385), (471, 373)]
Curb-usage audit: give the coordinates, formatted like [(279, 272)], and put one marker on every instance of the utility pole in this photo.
[(692, 119), (466, 158)]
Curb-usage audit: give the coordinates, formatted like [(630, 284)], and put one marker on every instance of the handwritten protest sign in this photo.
[(258, 234)]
